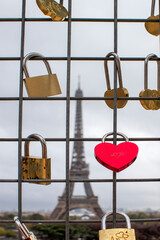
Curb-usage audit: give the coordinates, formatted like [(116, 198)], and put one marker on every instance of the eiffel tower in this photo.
[(79, 170)]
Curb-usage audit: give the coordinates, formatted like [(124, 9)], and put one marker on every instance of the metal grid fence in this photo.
[(67, 99)]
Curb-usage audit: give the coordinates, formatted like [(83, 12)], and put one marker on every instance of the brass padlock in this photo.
[(40, 86), (153, 27), (121, 92), (150, 104), (116, 233), (35, 167), (26, 234), (51, 8)]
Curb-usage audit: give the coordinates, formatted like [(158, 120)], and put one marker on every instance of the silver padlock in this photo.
[(40, 86), (116, 233), (26, 234)]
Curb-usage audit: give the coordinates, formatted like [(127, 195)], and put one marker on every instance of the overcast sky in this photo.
[(48, 118)]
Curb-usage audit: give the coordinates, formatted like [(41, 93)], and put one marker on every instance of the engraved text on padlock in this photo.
[(34, 167)]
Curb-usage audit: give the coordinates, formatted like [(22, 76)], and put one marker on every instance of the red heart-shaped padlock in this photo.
[(116, 157)]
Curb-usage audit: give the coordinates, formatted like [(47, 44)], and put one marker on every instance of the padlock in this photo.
[(26, 234), (153, 27), (116, 233), (150, 104), (40, 86), (35, 167), (116, 157), (121, 92), (51, 8)]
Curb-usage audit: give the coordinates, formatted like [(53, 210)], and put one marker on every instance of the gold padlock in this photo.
[(40, 86), (121, 92), (150, 104), (116, 233), (51, 8), (35, 167), (153, 27)]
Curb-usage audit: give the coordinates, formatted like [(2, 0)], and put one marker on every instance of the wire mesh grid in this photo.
[(68, 99)]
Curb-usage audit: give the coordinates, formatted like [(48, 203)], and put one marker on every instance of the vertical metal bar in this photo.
[(159, 26), (152, 7), (68, 120), (115, 111), (61, 2), (20, 114)]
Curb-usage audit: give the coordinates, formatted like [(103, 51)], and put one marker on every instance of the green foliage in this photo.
[(57, 231), (2, 231), (10, 233), (138, 215), (35, 216)]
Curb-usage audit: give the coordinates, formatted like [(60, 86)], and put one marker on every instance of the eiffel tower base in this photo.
[(90, 204)]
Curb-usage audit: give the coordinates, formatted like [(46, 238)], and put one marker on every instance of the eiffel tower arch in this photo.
[(79, 170)]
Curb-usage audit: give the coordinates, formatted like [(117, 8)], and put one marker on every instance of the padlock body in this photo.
[(51, 8), (121, 92), (156, 93), (117, 234), (150, 104), (42, 86), (153, 27), (36, 168)]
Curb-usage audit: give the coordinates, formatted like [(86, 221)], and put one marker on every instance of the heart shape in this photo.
[(150, 104), (121, 92), (152, 27), (116, 157)]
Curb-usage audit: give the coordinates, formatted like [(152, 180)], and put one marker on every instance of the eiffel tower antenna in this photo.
[(79, 170), (79, 80)]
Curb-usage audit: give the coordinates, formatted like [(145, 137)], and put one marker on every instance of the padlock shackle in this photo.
[(23, 229), (149, 56), (111, 133), (152, 7), (118, 65), (42, 141), (103, 222), (33, 55)]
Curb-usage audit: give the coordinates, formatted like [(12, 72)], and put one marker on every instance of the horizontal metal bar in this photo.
[(82, 180), (81, 221), (75, 99), (123, 20), (79, 139), (77, 59)]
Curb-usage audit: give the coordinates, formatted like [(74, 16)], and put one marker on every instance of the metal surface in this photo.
[(20, 99), (117, 61), (150, 104), (121, 92), (130, 20), (40, 86), (41, 140), (153, 7), (116, 233), (111, 133), (24, 230), (20, 113), (153, 27), (36, 167), (68, 119), (51, 8), (114, 194), (103, 226)]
